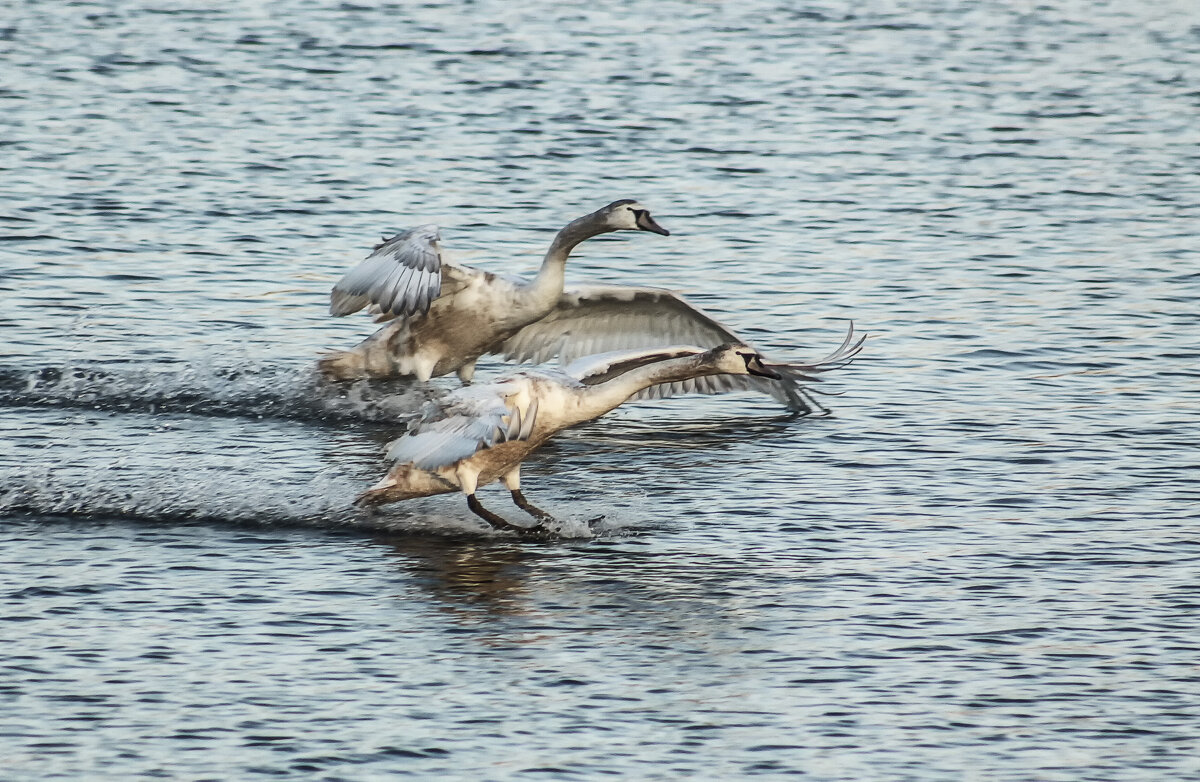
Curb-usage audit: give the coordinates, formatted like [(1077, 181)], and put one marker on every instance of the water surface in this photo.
[(982, 566)]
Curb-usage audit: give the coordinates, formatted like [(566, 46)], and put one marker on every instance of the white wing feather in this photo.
[(400, 278)]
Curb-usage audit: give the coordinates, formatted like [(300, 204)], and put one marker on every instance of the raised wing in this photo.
[(466, 421), (792, 389), (604, 318), (399, 279)]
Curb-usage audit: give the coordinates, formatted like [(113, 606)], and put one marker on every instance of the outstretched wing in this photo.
[(400, 278), (599, 319), (792, 388), (464, 422), (604, 318)]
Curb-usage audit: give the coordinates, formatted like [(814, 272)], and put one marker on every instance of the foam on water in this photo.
[(322, 500), (209, 387), (205, 495)]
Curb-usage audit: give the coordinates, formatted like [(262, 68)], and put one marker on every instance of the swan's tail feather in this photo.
[(376, 495), (404, 482), (343, 365), (381, 355), (393, 487)]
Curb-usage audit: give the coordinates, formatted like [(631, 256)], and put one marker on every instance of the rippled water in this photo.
[(982, 566)]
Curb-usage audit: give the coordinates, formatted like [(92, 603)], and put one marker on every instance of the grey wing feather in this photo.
[(439, 447), (400, 278), (789, 391), (454, 428), (792, 389), (603, 318)]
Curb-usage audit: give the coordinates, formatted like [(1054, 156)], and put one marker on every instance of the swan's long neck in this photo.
[(548, 285), (602, 397)]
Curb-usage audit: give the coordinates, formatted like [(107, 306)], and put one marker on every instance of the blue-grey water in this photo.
[(983, 566)]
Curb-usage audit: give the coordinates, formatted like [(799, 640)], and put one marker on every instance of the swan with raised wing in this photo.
[(445, 316), (478, 434)]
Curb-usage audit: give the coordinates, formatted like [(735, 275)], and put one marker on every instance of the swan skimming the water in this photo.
[(446, 316), (478, 434)]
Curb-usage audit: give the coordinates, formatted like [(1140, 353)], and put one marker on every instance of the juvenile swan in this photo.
[(478, 434), (446, 316)]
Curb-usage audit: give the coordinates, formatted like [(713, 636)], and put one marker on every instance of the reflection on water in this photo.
[(464, 574)]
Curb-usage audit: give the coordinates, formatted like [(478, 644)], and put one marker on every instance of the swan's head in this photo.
[(740, 360), (628, 215)]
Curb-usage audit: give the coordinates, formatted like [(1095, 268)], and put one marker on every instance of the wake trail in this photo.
[(202, 388), (215, 497)]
